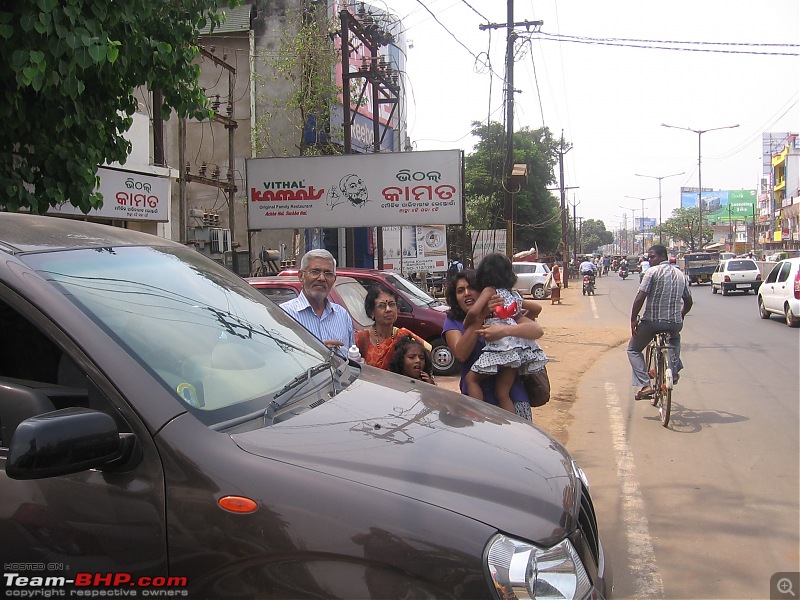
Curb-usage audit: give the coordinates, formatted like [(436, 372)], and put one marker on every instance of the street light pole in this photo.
[(700, 133), (659, 177), (641, 217), (633, 210)]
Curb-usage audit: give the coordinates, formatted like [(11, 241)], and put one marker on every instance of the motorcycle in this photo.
[(588, 284), (624, 274)]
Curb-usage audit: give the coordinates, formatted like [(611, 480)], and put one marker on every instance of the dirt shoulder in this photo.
[(573, 343)]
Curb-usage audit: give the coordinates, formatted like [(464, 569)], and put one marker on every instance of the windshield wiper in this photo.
[(280, 399)]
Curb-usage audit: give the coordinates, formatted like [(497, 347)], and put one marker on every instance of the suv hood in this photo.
[(435, 446)]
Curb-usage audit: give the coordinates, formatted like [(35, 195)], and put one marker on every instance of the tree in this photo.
[(68, 76), (536, 212), (593, 234), (684, 225)]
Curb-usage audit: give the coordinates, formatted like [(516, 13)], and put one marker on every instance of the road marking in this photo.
[(594, 307), (641, 557)]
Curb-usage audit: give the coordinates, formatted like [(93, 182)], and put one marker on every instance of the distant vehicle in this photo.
[(726, 256), (738, 274), (698, 266), (780, 292), (531, 277), (418, 311)]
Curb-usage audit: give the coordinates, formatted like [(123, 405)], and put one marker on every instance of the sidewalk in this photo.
[(573, 341)]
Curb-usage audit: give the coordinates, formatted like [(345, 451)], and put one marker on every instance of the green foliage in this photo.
[(593, 234), (684, 226), (536, 210), (305, 60), (68, 75)]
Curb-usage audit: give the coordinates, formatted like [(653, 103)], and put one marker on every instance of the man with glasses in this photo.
[(327, 320), (668, 300)]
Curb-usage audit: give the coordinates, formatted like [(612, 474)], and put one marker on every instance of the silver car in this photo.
[(736, 275), (531, 277), (780, 292)]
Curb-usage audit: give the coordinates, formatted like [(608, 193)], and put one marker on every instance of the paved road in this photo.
[(708, 508)]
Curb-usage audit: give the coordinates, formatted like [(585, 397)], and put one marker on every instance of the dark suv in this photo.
[(417, 311), (164, 425)]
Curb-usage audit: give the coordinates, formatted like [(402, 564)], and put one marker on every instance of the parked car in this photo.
[(726, 255), (417, 311), (345, 291), (163, 424), (737, 274), (531, 277), (780, 292)]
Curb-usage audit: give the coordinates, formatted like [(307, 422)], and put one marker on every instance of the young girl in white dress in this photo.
[(508, 356)]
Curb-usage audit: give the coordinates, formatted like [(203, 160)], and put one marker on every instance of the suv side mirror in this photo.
[(65, 441)]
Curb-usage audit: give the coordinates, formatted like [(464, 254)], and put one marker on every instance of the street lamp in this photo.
[(641, 217), (633, 210), (659, 195), (699, 133)]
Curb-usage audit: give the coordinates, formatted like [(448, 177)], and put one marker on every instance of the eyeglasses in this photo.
[(315, 273), (385, 305)]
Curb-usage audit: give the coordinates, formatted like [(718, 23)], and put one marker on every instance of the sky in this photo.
[(608, 100)]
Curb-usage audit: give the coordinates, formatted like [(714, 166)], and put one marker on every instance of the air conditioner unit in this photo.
[(220, 240)]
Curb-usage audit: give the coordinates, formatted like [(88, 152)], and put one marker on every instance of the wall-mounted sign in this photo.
[(127, 196), (415, 248), (356, 190)]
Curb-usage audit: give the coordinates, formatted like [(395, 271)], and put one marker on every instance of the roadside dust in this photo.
[(573, 343)]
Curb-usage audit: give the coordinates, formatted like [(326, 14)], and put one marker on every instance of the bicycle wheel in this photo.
[(664, 392)]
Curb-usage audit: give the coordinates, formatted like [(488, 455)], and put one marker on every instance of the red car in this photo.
[(418, 311), (346, 291)]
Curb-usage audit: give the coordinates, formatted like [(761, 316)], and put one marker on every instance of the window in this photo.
[(784, 273), (278, 295), (742, 265)]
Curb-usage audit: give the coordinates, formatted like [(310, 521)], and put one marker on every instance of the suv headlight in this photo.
[(523, 571)]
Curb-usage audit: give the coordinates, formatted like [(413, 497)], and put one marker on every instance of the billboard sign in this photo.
[(644, 224), (414, 248), (487, 241), (722, 206), (356, 190), (128, 196)]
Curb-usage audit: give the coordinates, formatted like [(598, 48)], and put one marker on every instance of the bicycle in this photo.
[(658, 357)]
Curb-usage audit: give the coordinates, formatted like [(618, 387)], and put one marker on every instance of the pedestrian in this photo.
[(412, 359), (553, 283), (327, 320), (510, 355), (377, 344), (468, 342), (668, 300)]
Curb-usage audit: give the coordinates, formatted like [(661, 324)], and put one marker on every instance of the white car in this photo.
[(531, 277), (736, 275), (780, 292)]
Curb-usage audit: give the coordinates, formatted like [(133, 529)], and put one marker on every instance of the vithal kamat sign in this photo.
[(128, 196), (399, 188)]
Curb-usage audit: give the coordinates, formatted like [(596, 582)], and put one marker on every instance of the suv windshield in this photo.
[(203, 333), (413, 293)]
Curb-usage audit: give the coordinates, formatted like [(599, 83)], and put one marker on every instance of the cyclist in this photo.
[(668, 300)]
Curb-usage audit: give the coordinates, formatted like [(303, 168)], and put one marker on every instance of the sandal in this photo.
[(645, 392)]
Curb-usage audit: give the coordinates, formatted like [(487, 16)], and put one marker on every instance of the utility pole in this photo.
[(562, 150), (384, 80), (574, 228), (508, 192)]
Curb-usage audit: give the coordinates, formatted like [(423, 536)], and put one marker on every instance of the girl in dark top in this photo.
[(412, 359)]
